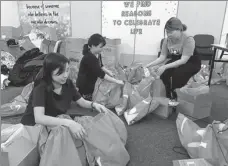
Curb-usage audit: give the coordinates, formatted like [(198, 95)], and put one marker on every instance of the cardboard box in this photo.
[(18, 156), (163, 110), (111, 53), (197, 107), (21, 152), (110, 56), (74, 47), (11, 32), (191, 162), (4, 159), (3, 45)]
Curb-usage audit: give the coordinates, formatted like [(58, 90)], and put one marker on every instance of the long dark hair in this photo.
[(51, 62), (94, 40)]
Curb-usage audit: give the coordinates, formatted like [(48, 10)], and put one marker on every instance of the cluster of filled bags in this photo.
[(202, 76), (141, 94), (209, 143)]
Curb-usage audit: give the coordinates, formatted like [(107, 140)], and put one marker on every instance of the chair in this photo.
[(203, 46)]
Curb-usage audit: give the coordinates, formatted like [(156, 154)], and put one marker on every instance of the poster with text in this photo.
[(138, 23), (53, 18), (115, 26)]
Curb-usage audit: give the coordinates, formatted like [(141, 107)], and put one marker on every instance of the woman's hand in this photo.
[(100, 108), (161, 70), (222, 126), (120, 82), (155, 68), (110, 73), (76, 129)]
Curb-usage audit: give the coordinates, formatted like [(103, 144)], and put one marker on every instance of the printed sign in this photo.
[(139, 24), (49, 17)]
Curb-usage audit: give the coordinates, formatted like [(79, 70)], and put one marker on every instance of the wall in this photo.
[(199, 16), (85, 18), (225, 27), (9, 17), (203, 17)]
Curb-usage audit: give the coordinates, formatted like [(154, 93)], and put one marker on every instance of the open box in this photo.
[(197, 107), (21, 152)]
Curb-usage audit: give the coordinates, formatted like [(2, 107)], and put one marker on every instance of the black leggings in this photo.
[(178, 77)]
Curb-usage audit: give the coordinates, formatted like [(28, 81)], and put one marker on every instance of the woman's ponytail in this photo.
[(184, 27), (85, 49)]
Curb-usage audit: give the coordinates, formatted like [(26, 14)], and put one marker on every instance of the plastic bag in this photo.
[(114, 97), (13, 108), (133, 95), (202, 142), (19, 103), (144, 86), (25, 94), (196, 90), (4, 81), (7, 59), (7, 132), (132, 74), (187, 131), (106, 93), (59, 147), (130, 98), (140, 110), (106, 138)]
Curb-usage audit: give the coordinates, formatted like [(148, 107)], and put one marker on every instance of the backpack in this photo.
[(26, 67)]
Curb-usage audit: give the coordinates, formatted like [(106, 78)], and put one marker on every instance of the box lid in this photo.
[(191, 162)]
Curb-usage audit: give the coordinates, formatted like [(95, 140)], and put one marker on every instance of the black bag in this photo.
[(23, 74)]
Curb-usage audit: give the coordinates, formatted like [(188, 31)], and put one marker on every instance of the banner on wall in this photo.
[(53, 18), (139, 24)]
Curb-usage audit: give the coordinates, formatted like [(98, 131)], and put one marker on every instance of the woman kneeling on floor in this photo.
[(52, 95), (183, 64), (91, 67)]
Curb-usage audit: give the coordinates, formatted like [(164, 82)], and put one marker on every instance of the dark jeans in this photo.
[(178, 77)]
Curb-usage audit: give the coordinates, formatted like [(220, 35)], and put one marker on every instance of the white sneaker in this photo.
[(173, 103)]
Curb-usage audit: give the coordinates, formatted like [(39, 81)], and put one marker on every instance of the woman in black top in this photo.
[(52, 95), (91, 67)]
